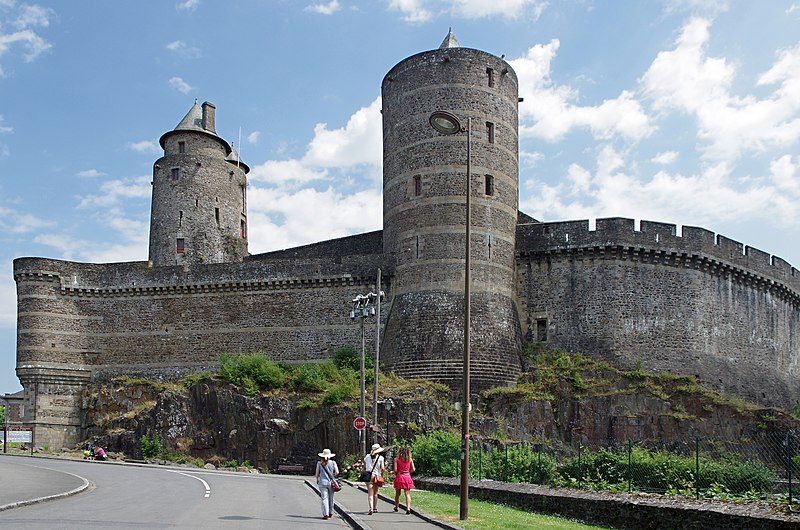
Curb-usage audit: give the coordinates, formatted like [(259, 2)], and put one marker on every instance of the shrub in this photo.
[(313, 377), (520, 463), (437, 454), (253, 372), (348, 357), (150, 447)]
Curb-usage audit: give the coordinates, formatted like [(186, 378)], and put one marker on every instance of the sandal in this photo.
[(395, 508)]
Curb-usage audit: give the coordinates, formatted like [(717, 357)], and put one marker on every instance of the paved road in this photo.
[(110, 495), (123, 496)]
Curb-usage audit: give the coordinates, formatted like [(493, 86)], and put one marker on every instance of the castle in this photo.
[(691, 303)]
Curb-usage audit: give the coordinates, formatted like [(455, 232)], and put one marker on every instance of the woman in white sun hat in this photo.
[(374, 462), (325, 473)]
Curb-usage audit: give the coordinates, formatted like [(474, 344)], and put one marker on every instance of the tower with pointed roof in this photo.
[(424, 199), (199, 203)]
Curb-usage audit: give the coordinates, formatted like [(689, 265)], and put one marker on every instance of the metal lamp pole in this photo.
[(447, 123)]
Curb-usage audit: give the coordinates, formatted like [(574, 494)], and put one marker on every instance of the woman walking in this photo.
[(325, 473), (403, 467), (374, 461)]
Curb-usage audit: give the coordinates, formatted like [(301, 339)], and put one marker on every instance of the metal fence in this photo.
[(762, 467)]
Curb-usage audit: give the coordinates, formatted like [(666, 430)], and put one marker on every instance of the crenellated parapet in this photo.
[(659, 243)]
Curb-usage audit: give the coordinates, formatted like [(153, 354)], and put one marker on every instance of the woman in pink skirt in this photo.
[(403, 467)]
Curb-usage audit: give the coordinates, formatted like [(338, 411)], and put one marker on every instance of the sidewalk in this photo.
[(351, 504)]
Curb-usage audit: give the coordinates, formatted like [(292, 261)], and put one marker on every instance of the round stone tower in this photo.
[(424, 215), (199, 211)]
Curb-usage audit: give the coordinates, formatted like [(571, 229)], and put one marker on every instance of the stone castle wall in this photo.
[(83, 322), (691, 304)]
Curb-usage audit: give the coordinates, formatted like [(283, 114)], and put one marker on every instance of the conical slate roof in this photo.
[(193, 120), (450, 41)]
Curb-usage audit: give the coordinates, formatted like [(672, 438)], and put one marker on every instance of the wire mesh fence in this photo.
[(764, 467)]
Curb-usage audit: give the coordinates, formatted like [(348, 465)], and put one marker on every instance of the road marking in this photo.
[(208, 488)]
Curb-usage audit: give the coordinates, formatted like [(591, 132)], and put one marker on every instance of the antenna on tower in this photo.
[(239, 155)]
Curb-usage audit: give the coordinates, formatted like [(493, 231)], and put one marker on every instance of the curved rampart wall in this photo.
[(81, 322), (692, 304)]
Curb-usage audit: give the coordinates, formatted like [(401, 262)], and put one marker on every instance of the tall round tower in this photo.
[(424, 215), (199, 210)]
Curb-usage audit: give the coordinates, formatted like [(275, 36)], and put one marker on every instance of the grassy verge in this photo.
[(489, 516)]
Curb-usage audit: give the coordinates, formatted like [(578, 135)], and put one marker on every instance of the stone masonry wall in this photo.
[(689, 304)]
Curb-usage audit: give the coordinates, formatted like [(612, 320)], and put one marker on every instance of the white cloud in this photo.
[(285, 209), (419, 11), (90, 173), (686, 80), (32, 16), (14, 222), (324, 9), (145, 146), (187, 5), (358, 142), (507, 8), (666, 157), (708, 198), (413, 10), (253, 137), (793, 9), (182, 49), (114, 190), (25, 18), (279, 219), (286, 172), (548, 111), (8, 296), (3, 128), (180, 85)]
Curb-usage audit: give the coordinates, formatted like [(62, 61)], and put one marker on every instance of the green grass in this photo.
[(489, 516)]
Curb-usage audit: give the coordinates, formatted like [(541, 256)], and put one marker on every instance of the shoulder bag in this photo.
[(335, 485), (366, 476)]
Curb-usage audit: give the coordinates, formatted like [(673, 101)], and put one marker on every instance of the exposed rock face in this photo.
[(216, 423), (213, 421)]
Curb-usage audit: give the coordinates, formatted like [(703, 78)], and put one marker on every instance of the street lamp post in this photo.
[(387, 406), (363, 308), (447, 123)]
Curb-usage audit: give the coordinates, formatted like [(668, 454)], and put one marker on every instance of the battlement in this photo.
[(715, 251)]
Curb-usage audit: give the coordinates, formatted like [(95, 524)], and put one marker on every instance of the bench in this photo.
[(291, 468)]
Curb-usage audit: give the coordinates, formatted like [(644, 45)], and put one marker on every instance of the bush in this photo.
[(437, 454), (522, 463), (348, 357), (662, 471), (253, 372), (313, 377), (150, 447)]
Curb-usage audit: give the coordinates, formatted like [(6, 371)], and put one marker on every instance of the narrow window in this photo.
[(196, 203), (490, 76), (176, 173), (216, 216), (181, 147), (489, 185), (180, 246), (417, 185), (244, 200), (180, 218), (417, 247), (490, 132), (541, 330), (243, 229), (490, 247)]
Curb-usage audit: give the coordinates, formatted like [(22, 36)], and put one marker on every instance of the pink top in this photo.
[(403, 466)]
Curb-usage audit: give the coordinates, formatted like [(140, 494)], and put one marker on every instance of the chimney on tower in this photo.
[(208, 117)]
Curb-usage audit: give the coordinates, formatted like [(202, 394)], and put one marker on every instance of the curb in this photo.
[(414, 511), (86, 484), (347, 516)]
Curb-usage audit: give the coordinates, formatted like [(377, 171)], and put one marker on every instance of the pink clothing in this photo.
[(402, 480)]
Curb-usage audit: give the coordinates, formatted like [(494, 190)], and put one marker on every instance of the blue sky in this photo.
[(681, 111)]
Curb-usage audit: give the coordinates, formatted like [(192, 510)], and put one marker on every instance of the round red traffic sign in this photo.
[(359, 423)]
